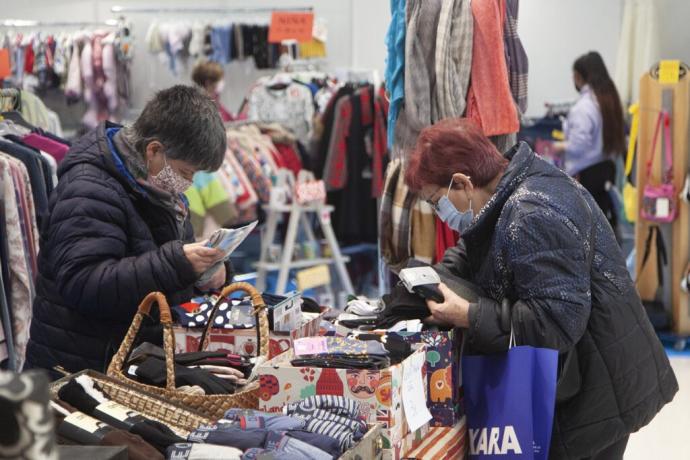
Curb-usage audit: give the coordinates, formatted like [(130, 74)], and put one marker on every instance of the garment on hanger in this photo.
[(490, 101), (516, 56), (291, 106)]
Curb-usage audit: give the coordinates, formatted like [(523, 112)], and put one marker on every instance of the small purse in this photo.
[(660, 202)]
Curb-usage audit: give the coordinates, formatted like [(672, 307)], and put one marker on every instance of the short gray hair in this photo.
[(187, 123)]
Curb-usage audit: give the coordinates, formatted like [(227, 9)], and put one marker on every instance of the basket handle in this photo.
[(118, 361), (259, 312)]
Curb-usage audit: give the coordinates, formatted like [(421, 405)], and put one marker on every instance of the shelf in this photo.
[(306, 263)]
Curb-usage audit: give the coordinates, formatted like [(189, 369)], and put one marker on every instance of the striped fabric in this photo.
[(338, 405), (442, 444), (343, 434)]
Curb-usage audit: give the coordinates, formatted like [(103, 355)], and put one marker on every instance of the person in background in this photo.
[(532, 235), (594, 132), (118, 229), (210, 77)]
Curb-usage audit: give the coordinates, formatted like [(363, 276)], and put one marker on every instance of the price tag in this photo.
[(310, 346), (663, 208), (287, 25), (84, 422), (669, 72), (413, 394)]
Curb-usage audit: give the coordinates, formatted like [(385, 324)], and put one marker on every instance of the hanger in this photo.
[(17, 118), (280, 81)]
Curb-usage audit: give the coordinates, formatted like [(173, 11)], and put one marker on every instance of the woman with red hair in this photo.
[(530, 234)]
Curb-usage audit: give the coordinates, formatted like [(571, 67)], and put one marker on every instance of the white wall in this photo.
[(555, 33)]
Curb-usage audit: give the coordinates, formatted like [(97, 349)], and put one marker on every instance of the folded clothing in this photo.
[(147, 349), (338, 405), (323, 442), (343, 362), (333, 416), (288, 446), (152, 371), (155, 433), (190, 451), (229, 434), (364, 307), (69, 429), (337, 346), (231, 314)]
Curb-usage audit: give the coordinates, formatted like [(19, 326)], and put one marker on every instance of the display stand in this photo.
[(674, 98), (298, 216)]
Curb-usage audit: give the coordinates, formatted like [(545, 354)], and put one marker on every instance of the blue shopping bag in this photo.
[(509, 403)]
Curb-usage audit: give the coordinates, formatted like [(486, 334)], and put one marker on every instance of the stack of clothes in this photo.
[(316, 428), (201, 373), (368, 351)]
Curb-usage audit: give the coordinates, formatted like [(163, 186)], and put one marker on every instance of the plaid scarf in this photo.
[(516, 57), (395, 222)]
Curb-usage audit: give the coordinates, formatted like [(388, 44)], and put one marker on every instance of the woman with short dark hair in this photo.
[(118, 229), (534, 236), (210, 76)]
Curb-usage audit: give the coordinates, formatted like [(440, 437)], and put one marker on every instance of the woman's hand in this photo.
[(201, 257), (217, 281), (454, 311)]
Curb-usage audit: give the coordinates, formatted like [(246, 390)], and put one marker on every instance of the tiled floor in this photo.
[(668, 436)]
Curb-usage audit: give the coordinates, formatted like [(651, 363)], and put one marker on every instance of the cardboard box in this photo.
[(244, 341), (410, 442), (444, 373), (287, 315), (442, 443), (378, 391), (444, 379), (369, 447)]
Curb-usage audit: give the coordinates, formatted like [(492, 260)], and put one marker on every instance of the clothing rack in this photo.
[(31, 23), (165, 9)]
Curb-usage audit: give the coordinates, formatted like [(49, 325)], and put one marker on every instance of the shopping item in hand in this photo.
[(227, 240)]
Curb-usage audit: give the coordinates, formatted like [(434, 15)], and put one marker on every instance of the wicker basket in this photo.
[(212, 406), (182, 421)]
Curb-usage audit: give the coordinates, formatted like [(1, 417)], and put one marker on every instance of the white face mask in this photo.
[(220, 86), (169, 180)]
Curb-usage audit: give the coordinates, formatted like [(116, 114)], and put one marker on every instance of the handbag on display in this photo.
[(660, 202), (630, 199)]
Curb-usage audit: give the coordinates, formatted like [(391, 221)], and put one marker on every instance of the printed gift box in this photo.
[(244, 341), (443, 373), (378, 391)]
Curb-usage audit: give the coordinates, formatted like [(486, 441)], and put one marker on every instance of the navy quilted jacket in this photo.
[(105, 245), (532, 244)]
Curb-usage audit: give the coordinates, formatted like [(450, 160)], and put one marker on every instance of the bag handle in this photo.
[(661, 258), (669, 148), (117, 363), (655, 139), (664, 119), (262, 329)]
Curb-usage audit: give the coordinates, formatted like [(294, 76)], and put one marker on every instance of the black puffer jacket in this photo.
[(532, 244), (106, 244)]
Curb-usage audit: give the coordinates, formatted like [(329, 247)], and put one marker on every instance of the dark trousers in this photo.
[(612, 452)]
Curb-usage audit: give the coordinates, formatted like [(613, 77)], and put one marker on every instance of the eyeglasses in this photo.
[(430, 202)]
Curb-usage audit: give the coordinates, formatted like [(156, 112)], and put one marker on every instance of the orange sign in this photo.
[(291, 26), (5, 67)]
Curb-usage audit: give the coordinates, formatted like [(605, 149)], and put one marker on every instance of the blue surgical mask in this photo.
[(448, 213)]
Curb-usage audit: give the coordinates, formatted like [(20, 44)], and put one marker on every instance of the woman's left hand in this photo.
[(453, 311), (217, 281)]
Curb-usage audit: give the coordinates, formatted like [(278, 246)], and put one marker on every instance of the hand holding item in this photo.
[(453, 311), (202, 257), (217, 281)]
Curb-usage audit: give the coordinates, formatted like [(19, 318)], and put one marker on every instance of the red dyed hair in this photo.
[(453, 146)]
